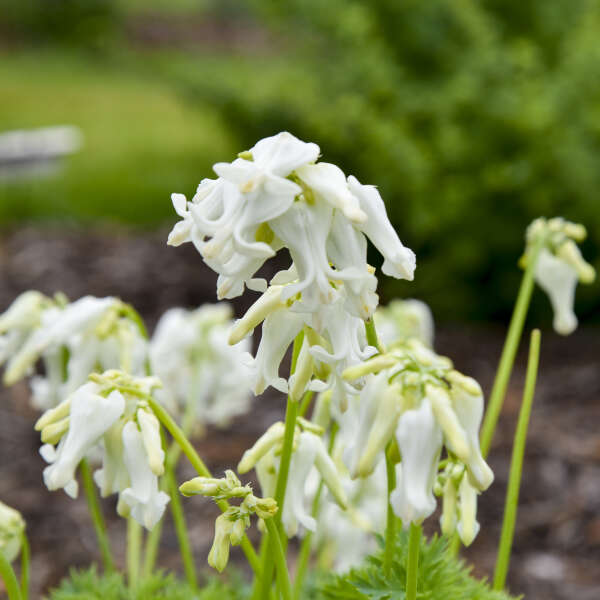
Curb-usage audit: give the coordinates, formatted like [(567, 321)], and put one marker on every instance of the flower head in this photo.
[(559, 266)]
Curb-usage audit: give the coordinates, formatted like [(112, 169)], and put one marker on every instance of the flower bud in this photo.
[(448, 518), (54, 415), (570, 253), (52, 433), (12, 527), (303, 373), (219, 553), (456, 437), (272, 436), (373, 365), (150, 429), (468, 527), (265, 305), (265, 508)]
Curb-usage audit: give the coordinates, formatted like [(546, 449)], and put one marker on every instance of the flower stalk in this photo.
[(390, 528), (10, 579), (412, 566), (509, 351), (516, 465)]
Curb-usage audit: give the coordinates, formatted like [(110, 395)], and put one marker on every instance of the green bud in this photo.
[(51, 434), (12, 527), (54, 415), (219, 553), (272, 436)]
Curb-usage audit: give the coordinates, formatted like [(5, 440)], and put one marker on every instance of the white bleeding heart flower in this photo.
[(143, 499), (419, 439)]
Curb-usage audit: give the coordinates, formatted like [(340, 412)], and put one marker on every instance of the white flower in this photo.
[(203, 376), (558, 266), (403, 319), (90, 417), (399, 261), (143, 498), (559, 280), (256, 207), (419, 440)]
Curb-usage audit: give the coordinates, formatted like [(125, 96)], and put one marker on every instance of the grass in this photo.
[(142, 140)]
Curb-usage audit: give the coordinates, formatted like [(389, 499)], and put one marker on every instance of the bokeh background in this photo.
[(472, 117)]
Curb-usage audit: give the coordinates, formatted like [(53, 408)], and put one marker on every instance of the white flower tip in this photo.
[(565, 322), (355, 214)]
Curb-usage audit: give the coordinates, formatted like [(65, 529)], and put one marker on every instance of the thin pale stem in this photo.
[(181, 529), (283, 577), (509, 351), (198, 464), (173, 454), (372, 338), (291, 414), (304, 405), (96, 514), (412, 566), (10, 579), (516, 464), (390, 528), (25, 556), (134, 545)]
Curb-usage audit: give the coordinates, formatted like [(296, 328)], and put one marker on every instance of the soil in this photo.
[(557, 542)]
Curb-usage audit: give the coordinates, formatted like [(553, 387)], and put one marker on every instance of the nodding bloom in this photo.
[(309, 455), (559, 266), (230, 527), (415, 397), (12, 527), (404, 319), (204, 378), (72, 339), (108, 414), (276, 195)]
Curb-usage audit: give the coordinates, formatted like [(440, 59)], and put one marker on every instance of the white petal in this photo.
[(90, 417), (399, 261), (420, 443), (329, 183), (146, 502), (559, 280), (283, 153)]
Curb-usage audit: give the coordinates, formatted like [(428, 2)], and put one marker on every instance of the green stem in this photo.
[(134, 545), (283, 576), (198, 464), (412, 566), (305, 403), (291, 414), (96, 514), (25, 556), (516, 464), (372, 338), (390, 528), (10, 579), (181, 529), (509, 351)]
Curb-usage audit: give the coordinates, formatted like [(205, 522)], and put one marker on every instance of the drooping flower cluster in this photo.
[(72, 339), (109, 414), (204, 378), (12, 528), (277, 196), (559, 266), (231, 526), (416, 398)]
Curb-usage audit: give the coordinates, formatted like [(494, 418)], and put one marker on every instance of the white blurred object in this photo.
[(25, 153)]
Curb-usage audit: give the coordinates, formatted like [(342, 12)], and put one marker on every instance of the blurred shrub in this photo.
[(87, 23), (472, 117)]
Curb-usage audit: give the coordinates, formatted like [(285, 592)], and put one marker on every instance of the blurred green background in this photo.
[(472, 117)]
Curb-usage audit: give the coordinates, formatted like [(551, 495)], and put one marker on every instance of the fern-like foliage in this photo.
[(440, 577), (88, 584)]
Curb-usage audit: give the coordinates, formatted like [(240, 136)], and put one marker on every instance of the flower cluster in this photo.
[(277, 196), (204, 378), (72, 339), (230, 527), (109, 414), (415, 397), (559, 266)]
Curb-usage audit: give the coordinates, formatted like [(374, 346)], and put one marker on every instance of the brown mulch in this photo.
[(557, 546)]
